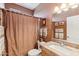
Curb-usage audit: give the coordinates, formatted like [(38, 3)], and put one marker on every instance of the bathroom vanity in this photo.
[(54, 49)]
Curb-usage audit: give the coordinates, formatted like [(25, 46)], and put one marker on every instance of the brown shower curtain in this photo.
[(20, 33)]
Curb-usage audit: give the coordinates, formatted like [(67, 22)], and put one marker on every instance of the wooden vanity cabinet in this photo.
[(46, 52)]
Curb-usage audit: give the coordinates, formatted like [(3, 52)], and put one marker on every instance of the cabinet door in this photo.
[(61, 35), (46, 52)]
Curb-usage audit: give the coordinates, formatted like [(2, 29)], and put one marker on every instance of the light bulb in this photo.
[(74, 6), (56, 9), (59, 11), (63, 6), (65, 9)]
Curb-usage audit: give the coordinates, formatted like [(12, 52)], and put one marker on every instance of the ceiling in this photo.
[(42, 10), (30, 6), (45, 10)]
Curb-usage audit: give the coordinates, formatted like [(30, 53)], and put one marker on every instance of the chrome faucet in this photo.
[(61, 43)]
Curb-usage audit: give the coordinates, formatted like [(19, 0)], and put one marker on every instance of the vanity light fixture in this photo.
[(65, 7)]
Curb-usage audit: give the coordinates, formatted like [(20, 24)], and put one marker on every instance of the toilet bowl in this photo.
[(34, 52)]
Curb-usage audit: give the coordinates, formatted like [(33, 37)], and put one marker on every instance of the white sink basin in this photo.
[(60, 49)]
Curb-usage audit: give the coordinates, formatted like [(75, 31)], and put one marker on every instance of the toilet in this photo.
[(34, 52)]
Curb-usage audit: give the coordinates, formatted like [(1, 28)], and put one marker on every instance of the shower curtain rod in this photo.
[(18, 12)]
